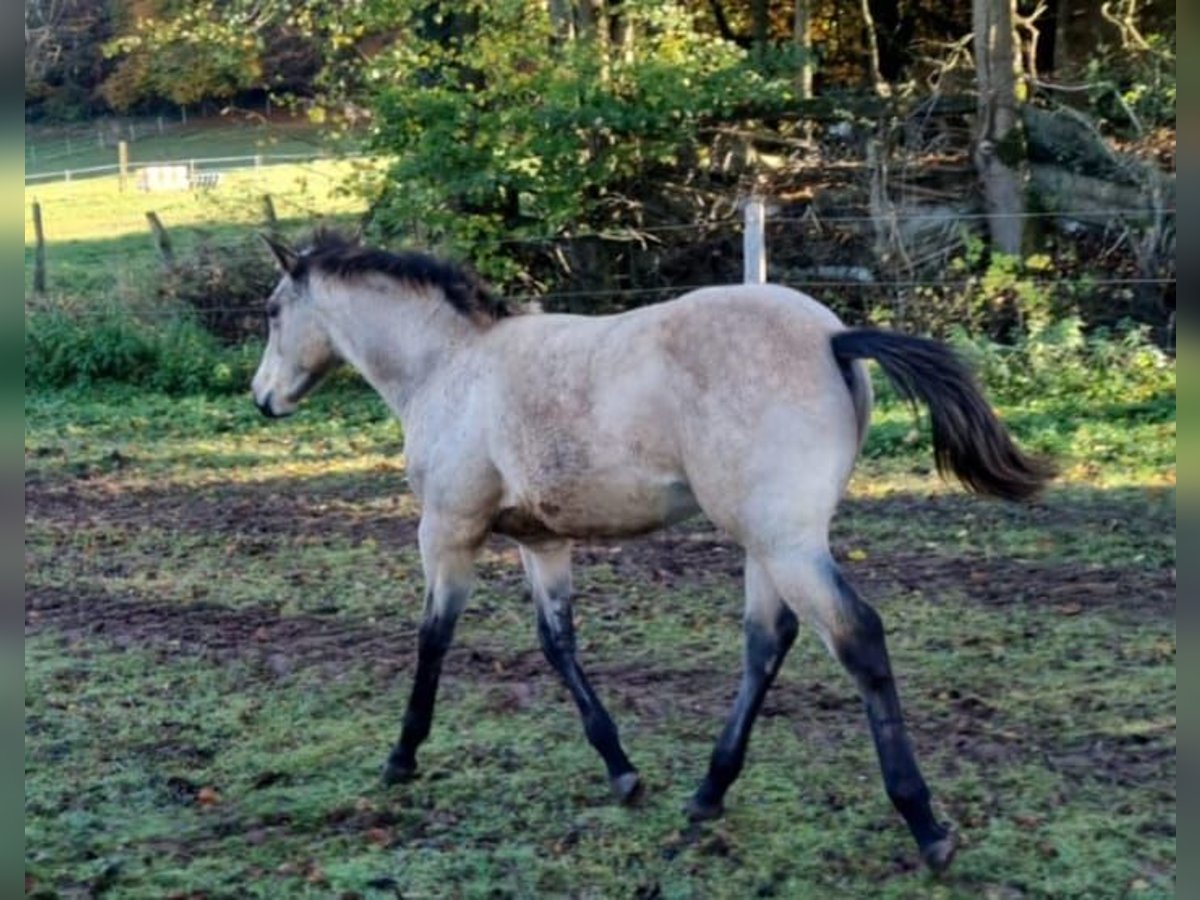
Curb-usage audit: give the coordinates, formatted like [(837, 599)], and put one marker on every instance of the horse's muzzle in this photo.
[(264, 406)]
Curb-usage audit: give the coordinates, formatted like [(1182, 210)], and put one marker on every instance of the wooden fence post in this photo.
[(754, 250), (161, 239), (122, 163), (39, 253), (270, 220)]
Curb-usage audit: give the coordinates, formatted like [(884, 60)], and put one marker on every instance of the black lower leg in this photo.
[(766, 648), (556, 630), (863, 651), (435, 636)]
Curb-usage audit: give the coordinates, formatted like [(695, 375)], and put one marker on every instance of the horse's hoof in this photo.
[(398, 772), (701, 811), (627, 787), (940, 853)]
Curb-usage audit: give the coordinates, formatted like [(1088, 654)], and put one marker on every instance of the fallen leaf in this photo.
[(380, 837), (207, 796)]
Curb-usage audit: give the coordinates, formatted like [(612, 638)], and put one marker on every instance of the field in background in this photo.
[(53, 150), (231, 606), (98, 240)]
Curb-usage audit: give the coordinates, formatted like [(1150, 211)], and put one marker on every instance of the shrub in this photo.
[(79, 347), (226, 286), (1062, 363)]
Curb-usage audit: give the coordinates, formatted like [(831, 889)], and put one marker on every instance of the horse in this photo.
[(747, 403)]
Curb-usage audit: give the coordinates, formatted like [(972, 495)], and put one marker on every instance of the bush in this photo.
[(1058, 362), (226, 286), (79, 347)]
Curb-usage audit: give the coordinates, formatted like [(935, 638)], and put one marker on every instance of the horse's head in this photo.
[(299, 351)]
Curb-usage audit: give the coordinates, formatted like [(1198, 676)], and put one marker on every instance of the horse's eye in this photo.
[(272, 310)]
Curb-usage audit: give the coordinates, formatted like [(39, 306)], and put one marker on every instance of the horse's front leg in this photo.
[(770, 630), (549, 571), (448, 561)]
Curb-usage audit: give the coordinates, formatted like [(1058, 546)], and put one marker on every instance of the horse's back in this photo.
[(724, 394)]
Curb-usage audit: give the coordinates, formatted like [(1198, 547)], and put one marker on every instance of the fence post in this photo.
[(161, 239), (269, 218), (39, 253), (754, 250), (122, 164)]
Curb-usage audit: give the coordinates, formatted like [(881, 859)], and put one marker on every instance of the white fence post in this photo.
[(754, 248)]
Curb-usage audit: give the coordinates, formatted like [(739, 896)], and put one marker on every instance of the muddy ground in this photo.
[(255, 516)]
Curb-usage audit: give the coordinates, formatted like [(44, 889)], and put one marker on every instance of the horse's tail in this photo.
[(968, 439)]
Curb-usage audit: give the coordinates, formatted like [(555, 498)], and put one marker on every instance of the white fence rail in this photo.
[(217, 163)]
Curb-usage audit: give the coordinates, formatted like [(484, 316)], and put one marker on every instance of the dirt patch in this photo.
[(693, 555), (376, 507), (276, 646), (355, 509)]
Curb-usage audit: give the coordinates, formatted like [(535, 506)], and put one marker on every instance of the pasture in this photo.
[(221, 621), (52, 150), (99, 244)]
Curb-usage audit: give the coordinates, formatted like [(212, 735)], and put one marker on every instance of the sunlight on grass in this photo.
[(97, 208), (233, 604)]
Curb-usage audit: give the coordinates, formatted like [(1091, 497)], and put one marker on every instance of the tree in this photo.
[(999, 147)]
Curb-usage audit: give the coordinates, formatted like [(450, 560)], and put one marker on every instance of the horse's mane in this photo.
[(333, 253)]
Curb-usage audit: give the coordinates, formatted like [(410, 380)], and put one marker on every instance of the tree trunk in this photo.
[(760, 25), (562, 21), (878, 85), (620, 32), (999, 144), (802, 36), (593, 29)]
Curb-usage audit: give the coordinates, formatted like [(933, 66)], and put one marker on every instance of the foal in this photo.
[(746, 403)]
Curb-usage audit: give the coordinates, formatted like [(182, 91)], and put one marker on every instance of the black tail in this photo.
[(968, 439)]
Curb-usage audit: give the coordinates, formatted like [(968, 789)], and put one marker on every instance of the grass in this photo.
[(220, 620), (53, 150), (99, 244)]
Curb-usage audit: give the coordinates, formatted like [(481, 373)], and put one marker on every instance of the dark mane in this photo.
[(333, 253)]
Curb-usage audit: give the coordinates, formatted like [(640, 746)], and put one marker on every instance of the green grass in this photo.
[(99, 244), (220, 619), (47, 149)]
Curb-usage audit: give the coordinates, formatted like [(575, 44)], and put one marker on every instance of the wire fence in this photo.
[(194, 165), (824, 280)]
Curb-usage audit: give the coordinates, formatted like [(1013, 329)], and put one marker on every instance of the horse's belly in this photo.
[(600, 508)]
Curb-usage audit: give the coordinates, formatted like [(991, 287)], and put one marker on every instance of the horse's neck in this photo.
[(397, 339)]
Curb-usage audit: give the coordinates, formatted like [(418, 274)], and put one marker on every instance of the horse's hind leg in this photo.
[(449, 573), (770, 630), (549, 571), (812, 584)]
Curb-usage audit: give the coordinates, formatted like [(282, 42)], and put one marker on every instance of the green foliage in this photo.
[(225, 285), (1059, 361), (501, 132), (1134, 87), (106, 343), (200, 51)]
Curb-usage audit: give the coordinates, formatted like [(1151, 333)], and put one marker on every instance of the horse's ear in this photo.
[(285, 256)]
